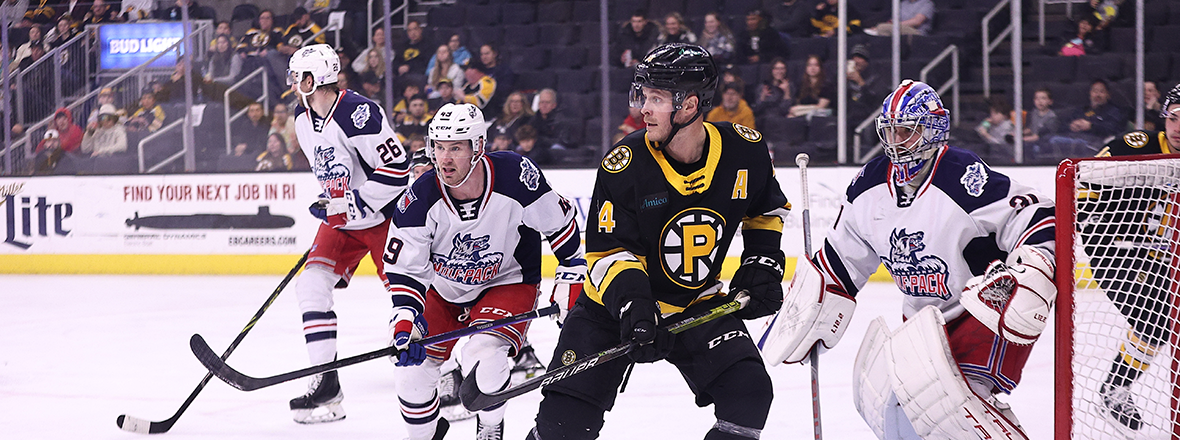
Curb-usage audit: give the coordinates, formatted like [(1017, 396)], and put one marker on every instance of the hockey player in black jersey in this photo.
[(666, 205), (1118, 234)]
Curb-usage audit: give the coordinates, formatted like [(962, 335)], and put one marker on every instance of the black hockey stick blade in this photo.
[(236, 379), (141, 426), (474, 400)]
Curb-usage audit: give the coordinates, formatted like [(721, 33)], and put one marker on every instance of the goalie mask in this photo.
[(317, 60), (912, 126), (682, 69), (457, 122)]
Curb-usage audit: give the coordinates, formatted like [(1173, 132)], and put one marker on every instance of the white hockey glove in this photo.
[(406, 327), (341, 207), (1014, 298), (814, 312), (567, 286)]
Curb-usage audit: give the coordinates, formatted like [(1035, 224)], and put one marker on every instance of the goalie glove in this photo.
[(567, 286), (338, 207), (1013, 298), (814, 311), (406, 327), (762, 277)]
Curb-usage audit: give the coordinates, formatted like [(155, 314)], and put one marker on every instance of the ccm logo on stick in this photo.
[(727, 336)]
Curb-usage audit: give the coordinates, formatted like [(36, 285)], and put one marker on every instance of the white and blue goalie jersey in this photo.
[(354, 147), (964, 216), (464, 247)]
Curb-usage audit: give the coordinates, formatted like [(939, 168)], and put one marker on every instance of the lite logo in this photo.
[(30, 212)]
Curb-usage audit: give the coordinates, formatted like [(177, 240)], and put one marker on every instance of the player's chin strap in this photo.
[(303, 96), (474, 163), (676, 128)]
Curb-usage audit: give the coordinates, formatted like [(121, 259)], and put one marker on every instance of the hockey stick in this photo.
[(474, 399), (134, 424), (813, 355), (243, 382)]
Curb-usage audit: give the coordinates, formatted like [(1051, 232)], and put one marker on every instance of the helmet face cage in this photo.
[(683, 69), (913, 122), (457, 122), (1172, 98)]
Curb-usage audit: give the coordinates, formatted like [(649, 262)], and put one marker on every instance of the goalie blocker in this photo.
[(815, 311)]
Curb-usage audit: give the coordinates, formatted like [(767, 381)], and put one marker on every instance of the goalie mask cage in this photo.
[(1117, 310)]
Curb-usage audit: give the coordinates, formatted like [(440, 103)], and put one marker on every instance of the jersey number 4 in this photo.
[(606, 217)]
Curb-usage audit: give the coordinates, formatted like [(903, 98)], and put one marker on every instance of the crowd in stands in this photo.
[(779, 76)]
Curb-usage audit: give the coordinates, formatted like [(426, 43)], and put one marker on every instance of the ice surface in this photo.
[(77, 351)]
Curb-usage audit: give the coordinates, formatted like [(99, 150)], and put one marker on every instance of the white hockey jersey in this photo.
[(462, 248), (354, 147), (963, 217)]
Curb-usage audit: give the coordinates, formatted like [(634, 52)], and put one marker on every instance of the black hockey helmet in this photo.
[(683, 69), (1172, 98)]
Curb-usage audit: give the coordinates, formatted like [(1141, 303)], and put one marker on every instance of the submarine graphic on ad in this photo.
[(262, 220)]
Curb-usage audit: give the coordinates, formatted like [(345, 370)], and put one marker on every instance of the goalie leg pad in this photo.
[(932, 390), (814, 311), (872, 378)]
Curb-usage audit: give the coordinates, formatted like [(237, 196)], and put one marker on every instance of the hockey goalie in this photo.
[(971, 250)]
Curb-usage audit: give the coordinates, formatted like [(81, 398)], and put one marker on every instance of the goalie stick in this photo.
[(135, 424), (218, 367), (802, 159), (474, 399)]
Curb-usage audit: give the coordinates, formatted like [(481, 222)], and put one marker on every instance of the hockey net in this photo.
[(1117, 364)]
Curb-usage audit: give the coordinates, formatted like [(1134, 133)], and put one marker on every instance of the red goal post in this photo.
[(1117, 277)]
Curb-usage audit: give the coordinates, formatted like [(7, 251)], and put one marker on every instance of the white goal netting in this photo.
[(1118, 375)]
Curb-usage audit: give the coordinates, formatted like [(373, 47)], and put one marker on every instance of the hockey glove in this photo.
[(341, 208), (568, 286), (1014, 298), (639, 323), (406, 327), (762, 277)]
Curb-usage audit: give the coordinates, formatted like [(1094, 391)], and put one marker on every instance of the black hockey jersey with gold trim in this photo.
[(654, 230), (1137, 142)]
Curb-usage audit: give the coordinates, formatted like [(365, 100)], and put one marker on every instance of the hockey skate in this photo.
[(449, 406), (323, 392), (489, 432), (1120, 406), (440, 430), (525, 365)]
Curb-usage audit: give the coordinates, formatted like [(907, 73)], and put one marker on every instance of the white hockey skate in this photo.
[(489, 432), (323, 392), (449, 406), (525, 365), (1119, 407)]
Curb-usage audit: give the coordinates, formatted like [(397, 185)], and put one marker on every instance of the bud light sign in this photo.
[(124, 46)]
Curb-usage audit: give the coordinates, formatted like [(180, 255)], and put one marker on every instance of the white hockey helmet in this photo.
[(319, 60), (458, 122)]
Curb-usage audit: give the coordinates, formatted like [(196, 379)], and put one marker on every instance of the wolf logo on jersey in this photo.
[(530, 176), (974, 179), (465, 265), (360, 116), (916, 276), (332, 175)]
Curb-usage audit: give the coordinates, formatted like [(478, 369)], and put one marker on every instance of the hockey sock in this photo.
[(421, 418), (1124, 371), (562, 416), (319, 330), (741, 395)]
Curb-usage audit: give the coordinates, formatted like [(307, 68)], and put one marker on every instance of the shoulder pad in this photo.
[(623, 153), (357, 115), (874, 173), (1133, 142), (517, 177), (414, 203), (967, 180)]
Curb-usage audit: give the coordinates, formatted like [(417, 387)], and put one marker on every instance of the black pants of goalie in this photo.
[(718, 360)]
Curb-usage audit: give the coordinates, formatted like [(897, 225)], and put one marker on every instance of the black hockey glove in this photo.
[(639, 322), (762, 277)]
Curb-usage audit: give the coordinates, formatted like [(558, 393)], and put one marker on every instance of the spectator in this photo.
[(1089, 125), (275, 158), (758, 42), (459, 54), (361, 63), (526, 145), (105, 96), (299, 33), (251, 130), (733, 108), (1084, 41), (633, 121), (224, 64), (36, 38), (635, 38), (864, 85), (551, 131), (1042, 122), (421, 163), (791, 18), (1152, 107), (344, 80), (61, 33), (502, 142), (135, 10), (298, 159), (50, 158), (195, 12), (410, 54), (346, 61), (71, 133), (1103, 11), (514, 114), (997, 128), (415, 120), (36, 51), (675, 30), (825, 19), (99, 13), (37, 15), (815, 91), (917, 18), (108, 137), (410, 90), (223, 28), (149, 117), (444, 93), (776, 95), (718, 39), (489, 55), (283, 123), (373, 79), (480, 87), (263, 38), (238, 161), (445, 67)]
